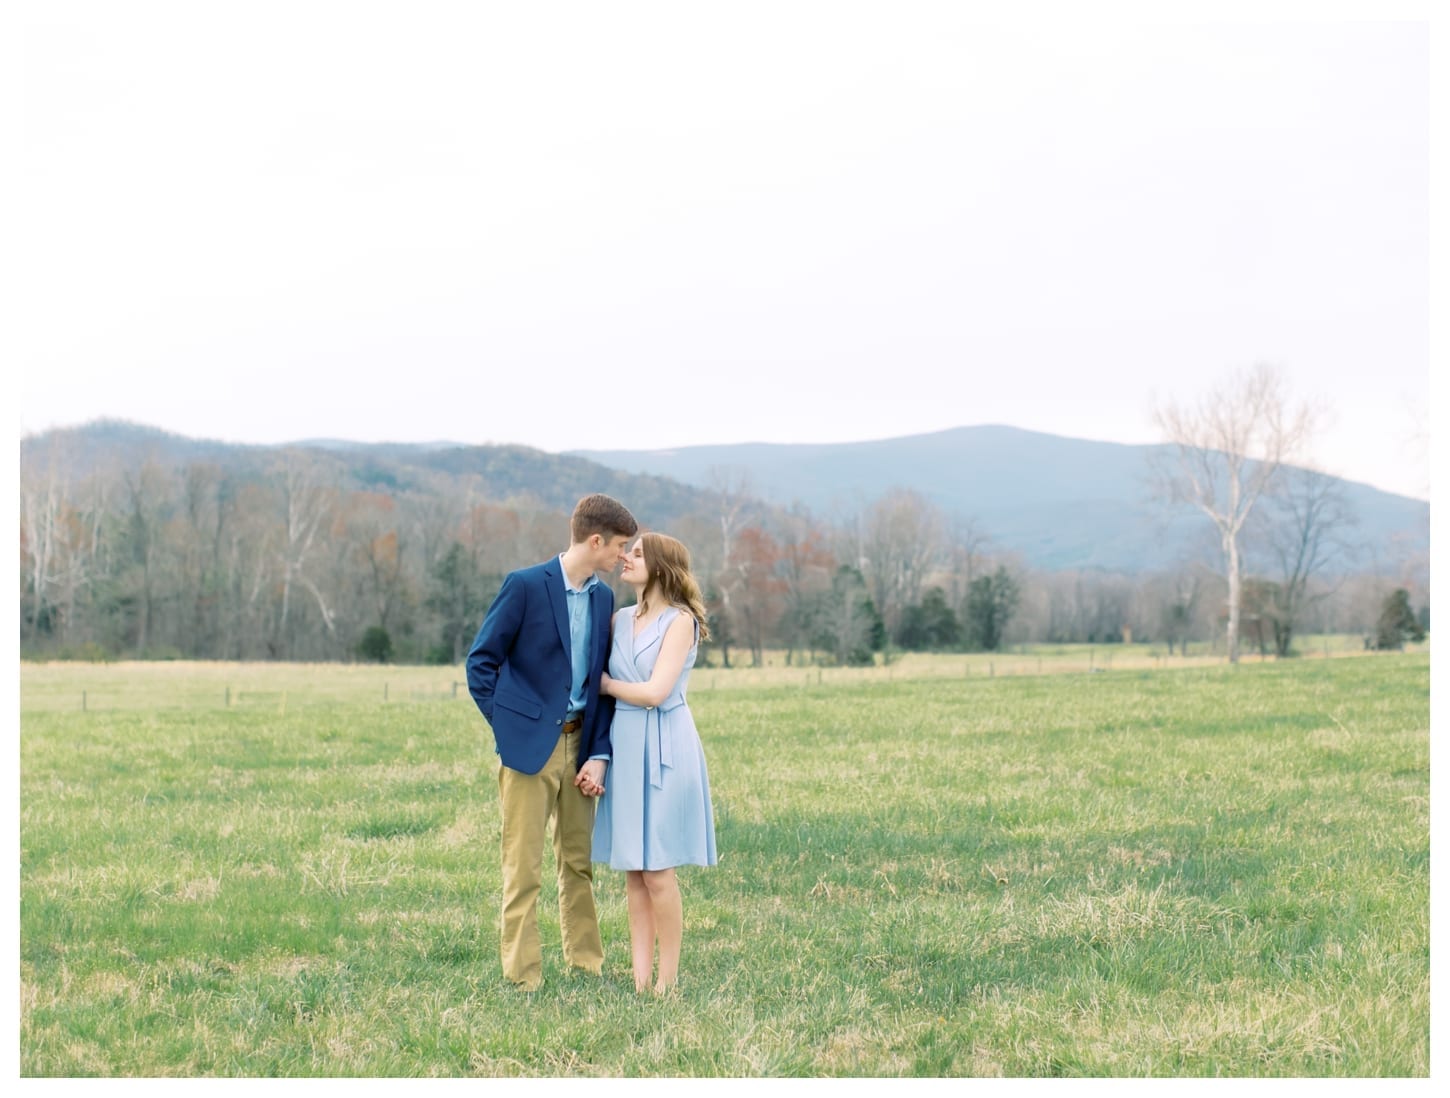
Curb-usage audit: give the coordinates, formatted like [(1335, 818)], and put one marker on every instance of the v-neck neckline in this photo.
[(636, 629)]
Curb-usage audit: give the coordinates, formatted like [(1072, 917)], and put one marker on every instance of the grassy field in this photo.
[(1180, 870)]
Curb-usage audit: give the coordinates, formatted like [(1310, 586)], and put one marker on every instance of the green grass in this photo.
[(1199, 871)]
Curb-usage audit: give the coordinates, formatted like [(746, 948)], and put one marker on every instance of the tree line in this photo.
[(303, 560)]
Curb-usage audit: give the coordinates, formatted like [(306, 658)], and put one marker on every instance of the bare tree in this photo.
[(61, 548), (1226, 450), (903, 541), (734, 506), (200, 537), (250, 566), (371, 531), (307, 505), (148, 497), (42, 509), (1174, 602), (759, 590), (1303, 525), (806, 568), (967, 541)]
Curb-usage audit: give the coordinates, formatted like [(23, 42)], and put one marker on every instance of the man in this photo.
[(534, 671)]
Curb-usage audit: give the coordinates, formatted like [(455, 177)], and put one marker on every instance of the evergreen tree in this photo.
[(991, 602), (850, 626), (1396, 622), (376, 645), (930, 625)]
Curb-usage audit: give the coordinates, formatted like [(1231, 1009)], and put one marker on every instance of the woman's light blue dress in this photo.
[(655, 810)]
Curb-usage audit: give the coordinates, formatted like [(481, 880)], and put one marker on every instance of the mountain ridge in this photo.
[(1059, 502)]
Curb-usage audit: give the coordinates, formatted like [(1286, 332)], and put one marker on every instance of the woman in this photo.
[(655, 813)]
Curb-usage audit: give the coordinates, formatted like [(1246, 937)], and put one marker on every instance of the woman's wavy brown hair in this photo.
[(670, 577)]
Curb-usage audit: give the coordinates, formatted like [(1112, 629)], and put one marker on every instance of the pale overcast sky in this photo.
[(616, 225)]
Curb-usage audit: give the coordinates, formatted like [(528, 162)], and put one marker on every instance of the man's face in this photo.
[(606, 556)]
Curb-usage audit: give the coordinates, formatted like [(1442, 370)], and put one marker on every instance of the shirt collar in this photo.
[(570, 588)]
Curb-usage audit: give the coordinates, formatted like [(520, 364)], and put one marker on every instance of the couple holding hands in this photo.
[(587, 708)]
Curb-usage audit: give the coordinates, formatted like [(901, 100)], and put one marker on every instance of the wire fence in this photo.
[(278, 688)]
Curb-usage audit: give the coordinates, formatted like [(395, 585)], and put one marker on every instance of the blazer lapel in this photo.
[(601, 605), (554, 585)]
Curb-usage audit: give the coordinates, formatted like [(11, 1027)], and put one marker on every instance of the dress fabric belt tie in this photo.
[(659, 754)]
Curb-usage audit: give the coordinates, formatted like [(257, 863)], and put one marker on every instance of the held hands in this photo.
[(590, 778)]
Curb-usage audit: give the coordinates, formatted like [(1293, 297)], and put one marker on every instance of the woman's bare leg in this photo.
[(641, 928), (669, 923)]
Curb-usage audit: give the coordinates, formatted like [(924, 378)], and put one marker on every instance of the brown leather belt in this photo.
[(573, 724)]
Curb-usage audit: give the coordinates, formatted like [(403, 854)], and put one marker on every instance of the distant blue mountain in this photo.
[(1060, 502)]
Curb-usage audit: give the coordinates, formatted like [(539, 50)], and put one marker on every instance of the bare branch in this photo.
[(1227, 450)]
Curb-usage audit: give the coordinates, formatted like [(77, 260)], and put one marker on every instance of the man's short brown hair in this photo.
[(601, 514)]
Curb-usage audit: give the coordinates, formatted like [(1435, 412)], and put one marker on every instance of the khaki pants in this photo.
[(528, 803)]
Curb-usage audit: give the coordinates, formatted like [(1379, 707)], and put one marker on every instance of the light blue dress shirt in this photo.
[(577, 599), (580, 631)]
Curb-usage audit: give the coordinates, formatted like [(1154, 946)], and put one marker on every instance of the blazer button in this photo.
[(559, 722)]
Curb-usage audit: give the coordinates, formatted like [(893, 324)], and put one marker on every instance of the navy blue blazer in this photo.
[(519, 668)]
